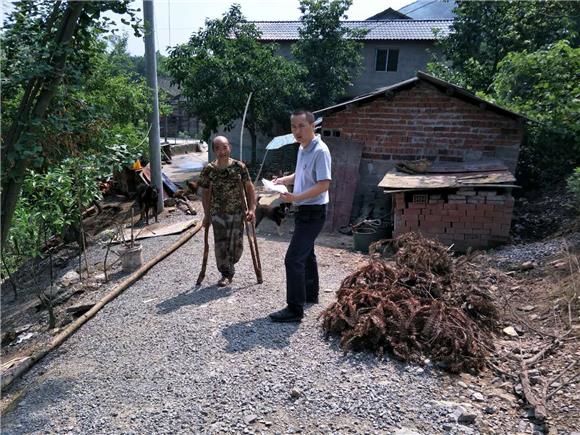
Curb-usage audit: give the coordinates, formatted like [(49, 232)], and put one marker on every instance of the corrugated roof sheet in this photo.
[(378, 30)]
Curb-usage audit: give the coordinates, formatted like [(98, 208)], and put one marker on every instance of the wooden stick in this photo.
[(538, 404), (201, 275), (253, 243), (32, 359)]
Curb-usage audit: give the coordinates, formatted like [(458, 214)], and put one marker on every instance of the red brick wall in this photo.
[(474, 218), (424, 122)]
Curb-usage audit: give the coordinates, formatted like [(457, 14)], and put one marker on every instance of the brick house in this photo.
[(425, 118)]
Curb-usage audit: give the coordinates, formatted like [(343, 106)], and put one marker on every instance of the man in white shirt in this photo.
[(311, 182)]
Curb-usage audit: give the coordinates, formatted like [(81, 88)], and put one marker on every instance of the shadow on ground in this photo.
[(247, 335), (194, 296)]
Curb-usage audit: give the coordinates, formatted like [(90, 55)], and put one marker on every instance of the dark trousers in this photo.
[(300, 261)]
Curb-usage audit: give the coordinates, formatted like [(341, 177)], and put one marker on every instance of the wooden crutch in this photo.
[(252, 241), (201, 275)]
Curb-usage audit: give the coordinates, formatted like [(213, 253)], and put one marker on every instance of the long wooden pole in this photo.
[(253, 243), (201, 275), (32, 359)]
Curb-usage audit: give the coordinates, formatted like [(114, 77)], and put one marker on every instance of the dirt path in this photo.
[(167, 358)]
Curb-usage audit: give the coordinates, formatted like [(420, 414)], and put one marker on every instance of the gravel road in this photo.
[(165, 357)]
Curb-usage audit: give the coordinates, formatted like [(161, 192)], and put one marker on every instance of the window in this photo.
[(387, 60)]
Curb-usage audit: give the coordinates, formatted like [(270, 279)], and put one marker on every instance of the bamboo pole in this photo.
[(27, 363)]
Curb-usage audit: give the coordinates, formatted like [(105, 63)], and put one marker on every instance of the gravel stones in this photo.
[(209, 360)]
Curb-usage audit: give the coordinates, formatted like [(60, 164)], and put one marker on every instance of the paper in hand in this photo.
[(271, 187)]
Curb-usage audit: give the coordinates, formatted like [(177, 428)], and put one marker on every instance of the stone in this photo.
[(528, 308), (295, 393), (407, 431), (489, 410), (466, 417), (462, 384), (510, 330), (478, 397), (251, 418), (69, 278), (527, 265)]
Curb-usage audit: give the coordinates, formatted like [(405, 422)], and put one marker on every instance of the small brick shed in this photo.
[(430, 119), (467, 205)]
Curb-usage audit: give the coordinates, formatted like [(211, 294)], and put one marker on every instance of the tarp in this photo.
[(280, 141)]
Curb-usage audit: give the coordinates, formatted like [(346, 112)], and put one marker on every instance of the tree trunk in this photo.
[(33, 111)]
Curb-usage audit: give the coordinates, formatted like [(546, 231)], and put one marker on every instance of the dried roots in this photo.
[(426, 305)]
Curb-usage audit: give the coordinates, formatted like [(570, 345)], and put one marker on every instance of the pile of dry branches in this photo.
[(425, 305)]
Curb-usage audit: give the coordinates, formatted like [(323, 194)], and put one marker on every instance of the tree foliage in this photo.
[(222, 64), (93, 124), (47, 46), (544, 85), (484, 32), (328, 50)]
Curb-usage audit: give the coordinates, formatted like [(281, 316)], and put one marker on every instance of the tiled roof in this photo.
[(378, 30)]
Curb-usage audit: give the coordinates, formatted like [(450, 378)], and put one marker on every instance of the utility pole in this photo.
[(151, 66)]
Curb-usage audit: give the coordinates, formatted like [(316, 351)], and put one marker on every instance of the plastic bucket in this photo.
[(132, 258), (363, 237)]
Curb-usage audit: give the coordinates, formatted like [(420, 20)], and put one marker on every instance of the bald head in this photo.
[(221, 148), (220, 140)]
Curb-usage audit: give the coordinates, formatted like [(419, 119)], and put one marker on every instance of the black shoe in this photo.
[(286, 315)]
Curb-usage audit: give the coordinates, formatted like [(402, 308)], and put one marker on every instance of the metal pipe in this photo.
[(244, 123)]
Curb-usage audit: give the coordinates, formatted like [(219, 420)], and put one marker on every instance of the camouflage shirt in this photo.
[(226, 195)]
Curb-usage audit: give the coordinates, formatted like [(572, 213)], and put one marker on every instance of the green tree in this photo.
[(545, 86), (45, 44), (222, 64), (328, 50), (484, 32)]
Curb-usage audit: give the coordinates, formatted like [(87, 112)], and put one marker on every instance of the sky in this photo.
[(176, 20)]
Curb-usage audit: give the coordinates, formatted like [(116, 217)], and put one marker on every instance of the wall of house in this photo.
[(466, 217), (422, 122), (413, 57)]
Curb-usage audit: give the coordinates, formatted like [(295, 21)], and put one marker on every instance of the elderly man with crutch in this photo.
[(229, 202)]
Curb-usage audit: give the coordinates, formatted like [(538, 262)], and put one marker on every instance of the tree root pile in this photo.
[(425, 305)]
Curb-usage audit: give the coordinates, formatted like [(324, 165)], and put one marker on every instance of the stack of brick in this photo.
[(468, 217)]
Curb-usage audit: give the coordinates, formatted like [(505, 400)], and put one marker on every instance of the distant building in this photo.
[(179, 121), (394, 49)]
